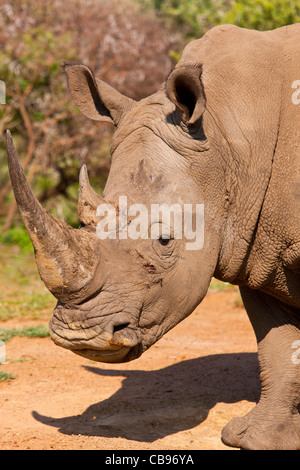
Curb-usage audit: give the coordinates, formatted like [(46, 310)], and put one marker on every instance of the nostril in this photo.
[(121, 327), (124, 334), (121, 334)]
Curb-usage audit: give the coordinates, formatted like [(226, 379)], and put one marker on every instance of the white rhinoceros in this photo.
[(222, 133)]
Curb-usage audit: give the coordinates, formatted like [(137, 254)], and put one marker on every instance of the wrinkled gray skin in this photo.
[(222, 131)]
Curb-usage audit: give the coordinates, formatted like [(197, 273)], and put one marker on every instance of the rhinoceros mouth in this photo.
[(112, 344), (115, 356)]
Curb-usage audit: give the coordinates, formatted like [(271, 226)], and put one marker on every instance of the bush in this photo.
[(263, 14), (123, 46), (196, 17), (17, 235)]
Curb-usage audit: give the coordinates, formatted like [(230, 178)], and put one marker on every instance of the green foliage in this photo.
[(263, 14), (17, 235), (36, 58), (195, 17)]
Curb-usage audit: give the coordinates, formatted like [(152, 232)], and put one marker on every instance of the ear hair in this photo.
[(184, 88)]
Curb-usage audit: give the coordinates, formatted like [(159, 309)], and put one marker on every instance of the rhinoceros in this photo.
[(222, 132)]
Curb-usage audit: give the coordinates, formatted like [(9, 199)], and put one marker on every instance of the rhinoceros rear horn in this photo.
[(95, 99), (185, 90), (66, 257), (88, 200)]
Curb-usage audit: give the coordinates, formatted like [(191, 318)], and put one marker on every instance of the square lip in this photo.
[(104, 355)]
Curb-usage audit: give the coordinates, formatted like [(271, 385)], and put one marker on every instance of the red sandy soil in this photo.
[(177, 396)]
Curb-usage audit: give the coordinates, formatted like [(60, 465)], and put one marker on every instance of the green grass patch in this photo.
[(6, 377), (22, 293), (17, 235), (25, 304), (17, 267), (38, 331), (22, 359)]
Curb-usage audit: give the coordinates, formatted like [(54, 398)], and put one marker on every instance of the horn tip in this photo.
[(83, 174), (8, 135), (11, 153)]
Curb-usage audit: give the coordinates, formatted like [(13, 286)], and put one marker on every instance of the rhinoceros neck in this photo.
[(250, 92), (275, 257), (270, 259)]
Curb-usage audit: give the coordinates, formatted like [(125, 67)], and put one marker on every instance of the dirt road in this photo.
[(178, 395)]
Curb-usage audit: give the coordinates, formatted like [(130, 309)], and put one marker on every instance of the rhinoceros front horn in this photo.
[(66, 257)]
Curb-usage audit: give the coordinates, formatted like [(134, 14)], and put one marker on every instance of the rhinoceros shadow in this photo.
[(153, 404)]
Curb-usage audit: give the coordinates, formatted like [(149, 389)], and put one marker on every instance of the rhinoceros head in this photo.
[(118, 292)]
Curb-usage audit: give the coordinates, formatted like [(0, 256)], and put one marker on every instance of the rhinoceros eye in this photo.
[(163, 241)]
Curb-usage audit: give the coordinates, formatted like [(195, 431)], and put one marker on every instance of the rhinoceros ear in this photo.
[(95, 99), (185, 90)]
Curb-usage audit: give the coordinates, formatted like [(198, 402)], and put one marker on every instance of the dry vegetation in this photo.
[(125, 47)]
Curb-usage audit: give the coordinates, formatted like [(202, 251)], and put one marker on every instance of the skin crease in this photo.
[(223, 132)]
